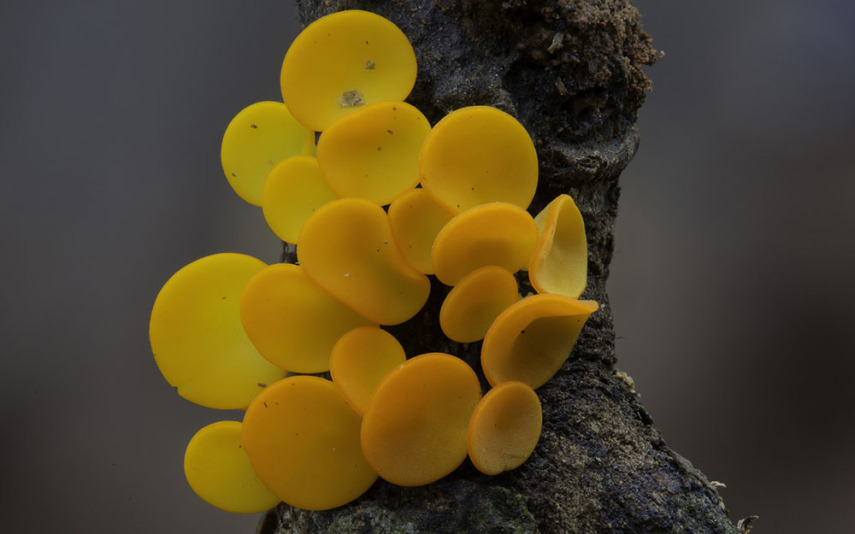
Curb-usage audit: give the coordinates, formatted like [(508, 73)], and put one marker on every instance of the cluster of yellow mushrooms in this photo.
[(231, 332)]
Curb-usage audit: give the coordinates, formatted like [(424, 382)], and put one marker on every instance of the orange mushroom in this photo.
[(416, 219), (559, 264), (474, 303)]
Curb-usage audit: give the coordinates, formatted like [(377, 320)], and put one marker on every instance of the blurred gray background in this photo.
[(731, 283)]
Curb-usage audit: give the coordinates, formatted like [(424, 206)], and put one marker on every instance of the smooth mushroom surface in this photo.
[(474, 303), (416, 219), (559, 264)]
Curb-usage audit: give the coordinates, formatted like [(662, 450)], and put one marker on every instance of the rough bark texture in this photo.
[(571, 72)]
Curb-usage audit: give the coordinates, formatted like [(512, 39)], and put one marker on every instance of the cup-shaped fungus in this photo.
[(345, 60), (259, 137), (347, 247), (531, 339), (559, 264), (474, 303), (293, 191), (497, 233), (292, 321), (414, 430), (416, 218), (218, 470), (302, 440), (373, 153), (505, 428), (197, 338), (360, 359), (476, 155)]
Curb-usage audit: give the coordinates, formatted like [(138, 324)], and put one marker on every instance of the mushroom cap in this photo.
[(416, 218), (474, 303), (345, 60), (293, 191), (531, 339), (559, 264), (414, 430), (259, 137), (218, 470), (476, 155), (302, 440), (497, 233), (197, 338), (505, 428), (347, 248), (373, 153), (360, 359), (292, 321)]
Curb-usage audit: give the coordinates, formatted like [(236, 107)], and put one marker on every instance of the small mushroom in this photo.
[(416, 219), (474, 303), (559, 264)]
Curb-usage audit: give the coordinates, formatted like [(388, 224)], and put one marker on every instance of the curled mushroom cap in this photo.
[(475, 302), (302, 440), (559, 264), (476, 155), (498, 234), (292, 321), (530, 340), (197, 338), (293, 191), (414, 430), (345, 60), (373, 153), (416, 219), (259, 137), (347, 248), (218, 470), (505, 428)]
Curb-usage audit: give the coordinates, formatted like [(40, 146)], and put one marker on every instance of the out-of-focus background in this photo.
[(731, 283)]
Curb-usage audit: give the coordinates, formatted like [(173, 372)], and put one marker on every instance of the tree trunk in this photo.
[(571, 72)]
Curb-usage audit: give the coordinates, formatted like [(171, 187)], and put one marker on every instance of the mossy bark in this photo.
[(571, 72)]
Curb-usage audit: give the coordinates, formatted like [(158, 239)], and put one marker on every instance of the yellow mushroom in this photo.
[(531, 339), (347, 248), (416, 218), (476, 155), (497, 233), (505, 428), (559, 264), (414, 430), (345, 60), (475, 302), (360, 359), (258, 138), (302, 440), (373, 153), (218, 470), (196, 335), (292, 321)]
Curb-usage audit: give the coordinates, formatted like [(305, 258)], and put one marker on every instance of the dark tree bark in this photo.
[(571, 72)]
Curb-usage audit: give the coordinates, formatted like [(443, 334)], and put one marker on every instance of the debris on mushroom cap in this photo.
[(345, 60), (476, 155), (414, 430), (559, 264), (302, 440), (497, 233), (347, 248), (218, 470), (197, 338), (292, 321), (258, 138), (360, 359), (416, 219), (505, 428), (293, 191), (474, 303), (530, 340), (373, 153)]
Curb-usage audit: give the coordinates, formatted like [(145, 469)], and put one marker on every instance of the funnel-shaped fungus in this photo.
[(476, 155), (259, 137), (302, 440), (373, 153), (475, 302), (219, 472), (343, 61), (347, 247), (293, 191), (559, 264), (530, 340), (292, 321), (505, 428), (416, 219), (360, 359), (414, 430), (498, 234), (196, 335)]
